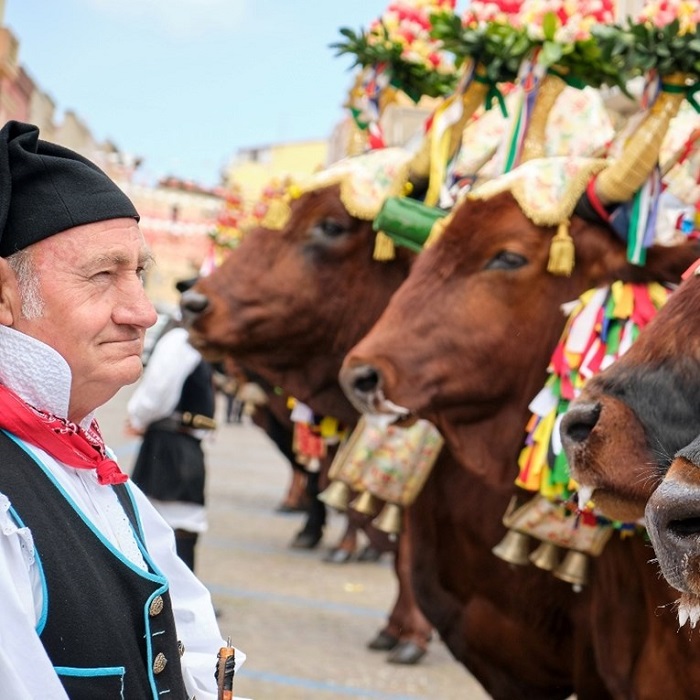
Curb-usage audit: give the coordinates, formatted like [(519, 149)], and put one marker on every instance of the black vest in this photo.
[(106, 625), (198, 392)]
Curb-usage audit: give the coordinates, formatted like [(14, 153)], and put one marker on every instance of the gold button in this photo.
[(180, 647), (156, 606), (159, 663)]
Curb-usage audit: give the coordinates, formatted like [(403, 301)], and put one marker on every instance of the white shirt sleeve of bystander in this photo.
[(26, 673), (156, 396), (195, 620)]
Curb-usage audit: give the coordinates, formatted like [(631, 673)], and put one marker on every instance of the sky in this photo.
[(185, 84)]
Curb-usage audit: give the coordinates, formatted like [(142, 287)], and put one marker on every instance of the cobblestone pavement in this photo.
[(303, 623)]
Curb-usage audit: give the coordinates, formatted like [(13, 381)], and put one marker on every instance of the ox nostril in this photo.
[(365, 379), (687, 527), (579, 421), (193, 303)]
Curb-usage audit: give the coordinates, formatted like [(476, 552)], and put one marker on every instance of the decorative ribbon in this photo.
[(642, 227), (602, 327), (444, 118), (529, 80), (493, 94)]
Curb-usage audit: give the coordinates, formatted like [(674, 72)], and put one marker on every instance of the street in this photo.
[(303, 623)]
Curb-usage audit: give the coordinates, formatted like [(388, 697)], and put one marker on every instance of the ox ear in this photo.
[(667, 263)]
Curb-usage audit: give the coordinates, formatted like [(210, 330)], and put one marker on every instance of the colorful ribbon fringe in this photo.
[(602, 327)]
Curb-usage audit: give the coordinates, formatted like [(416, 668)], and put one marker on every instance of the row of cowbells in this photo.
[(572, 568), (388, 515)]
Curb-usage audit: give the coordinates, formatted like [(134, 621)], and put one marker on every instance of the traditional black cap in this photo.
[(46, 189)]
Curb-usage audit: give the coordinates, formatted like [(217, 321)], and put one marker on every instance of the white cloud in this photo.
[(179, 18)]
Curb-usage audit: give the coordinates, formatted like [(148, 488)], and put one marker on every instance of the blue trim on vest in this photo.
[(90, 672), (119, 671), (156, 577), (41, 622), (160, 591)]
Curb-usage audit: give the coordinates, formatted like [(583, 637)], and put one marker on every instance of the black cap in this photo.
[(46, 189)]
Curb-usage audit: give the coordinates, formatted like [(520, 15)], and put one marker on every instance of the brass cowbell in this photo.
[(336, 495), (546, 556), (573, 569), (366, 503), (513, 548), (389, 519)]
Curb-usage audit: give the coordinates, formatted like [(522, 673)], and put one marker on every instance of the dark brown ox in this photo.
[(288, 305), (465, 343), (622, 433)]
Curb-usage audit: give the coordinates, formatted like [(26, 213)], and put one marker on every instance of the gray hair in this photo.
[(28, 284)]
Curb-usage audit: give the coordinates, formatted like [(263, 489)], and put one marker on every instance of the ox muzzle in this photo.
[(192, 305)]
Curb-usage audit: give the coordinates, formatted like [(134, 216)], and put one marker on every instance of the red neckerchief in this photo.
[(62, 439)]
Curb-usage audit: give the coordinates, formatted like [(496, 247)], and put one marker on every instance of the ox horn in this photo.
[(439, 145), (336, 495), (534, 141), (620, 181), (573, 569), (514, 548)]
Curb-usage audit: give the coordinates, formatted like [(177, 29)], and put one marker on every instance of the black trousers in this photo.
[(185, 543)]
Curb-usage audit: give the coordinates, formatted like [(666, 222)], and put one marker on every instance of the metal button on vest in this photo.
[(180, 647), (156, 606), (159, 662)]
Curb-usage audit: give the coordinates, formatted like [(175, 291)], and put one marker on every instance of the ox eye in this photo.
[(506, 260), (331, 228)]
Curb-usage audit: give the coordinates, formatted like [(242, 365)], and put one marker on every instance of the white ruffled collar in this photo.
[(36, 373)]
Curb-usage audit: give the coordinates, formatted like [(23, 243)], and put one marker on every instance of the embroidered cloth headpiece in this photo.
[(62, 439), (547, 190), (46, 189), (365, 182)]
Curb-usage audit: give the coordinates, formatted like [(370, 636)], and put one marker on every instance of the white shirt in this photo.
[(173, 360), (43, 379)]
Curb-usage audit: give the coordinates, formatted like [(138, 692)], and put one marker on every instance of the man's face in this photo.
[(95, 309)]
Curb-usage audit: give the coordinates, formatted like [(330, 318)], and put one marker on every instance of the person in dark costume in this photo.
[(173, 408), (94, 601)]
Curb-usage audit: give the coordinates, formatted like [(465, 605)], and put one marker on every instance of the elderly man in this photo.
[(94, 602)]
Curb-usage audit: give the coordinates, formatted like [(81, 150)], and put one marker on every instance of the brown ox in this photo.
[(622, 433), (288, 305), (465, 343)]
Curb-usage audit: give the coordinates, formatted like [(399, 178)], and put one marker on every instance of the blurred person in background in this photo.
[(173, 409)]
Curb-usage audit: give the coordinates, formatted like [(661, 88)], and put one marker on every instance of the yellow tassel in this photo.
[(384, 248), (561, 252), (277, 215)]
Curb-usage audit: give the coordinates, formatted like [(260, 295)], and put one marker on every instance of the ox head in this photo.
[(289, 304), (673, 522), (622, 432), (466, 340)]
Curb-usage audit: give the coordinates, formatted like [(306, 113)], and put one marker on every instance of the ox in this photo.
[(288, 305), (623, 431), (465, 343)]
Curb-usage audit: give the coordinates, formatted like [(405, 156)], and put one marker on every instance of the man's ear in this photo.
[(10, 303)]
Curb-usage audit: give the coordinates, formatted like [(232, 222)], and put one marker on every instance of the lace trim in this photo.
[(9, 527)]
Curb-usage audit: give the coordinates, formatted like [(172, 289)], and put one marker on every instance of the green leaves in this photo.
[(413, 78), (662, 48), (499, 48)]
